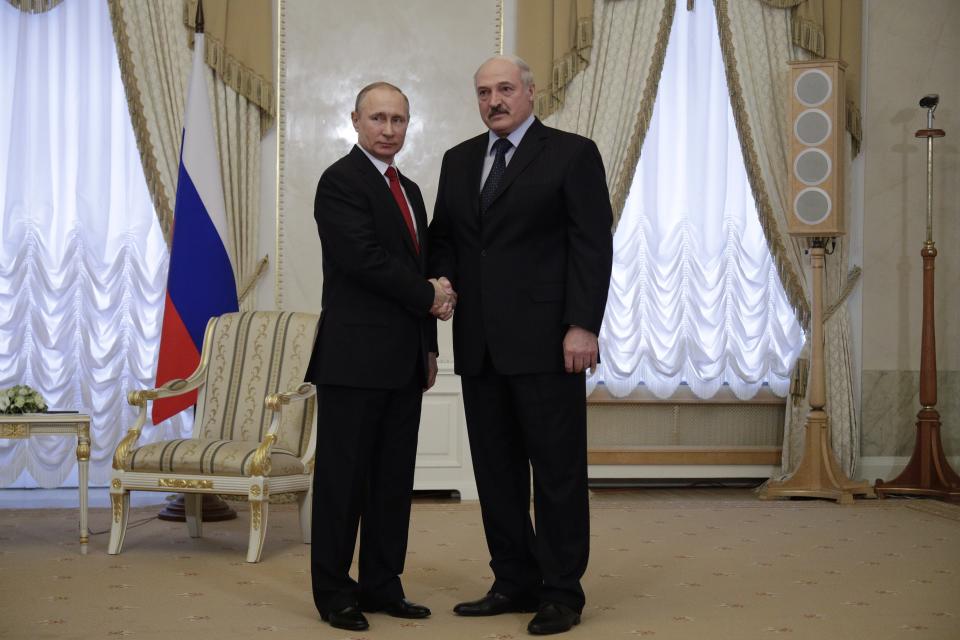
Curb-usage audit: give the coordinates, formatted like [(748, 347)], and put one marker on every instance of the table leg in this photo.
[(83, 464)]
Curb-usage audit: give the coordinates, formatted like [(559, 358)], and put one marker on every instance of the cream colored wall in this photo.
[(429, 48), (912, 48)]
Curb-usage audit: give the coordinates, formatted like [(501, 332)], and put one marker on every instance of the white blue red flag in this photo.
[(200, 281)]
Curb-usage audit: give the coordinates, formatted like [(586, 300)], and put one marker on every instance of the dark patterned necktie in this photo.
[(499, 167)]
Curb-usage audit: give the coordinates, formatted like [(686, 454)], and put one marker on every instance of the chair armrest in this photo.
[(275, 402), (171, 389), (140, 398)]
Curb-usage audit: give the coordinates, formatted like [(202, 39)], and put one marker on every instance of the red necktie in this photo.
[(402, 203)]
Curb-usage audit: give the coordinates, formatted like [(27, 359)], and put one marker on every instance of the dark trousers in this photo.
[(366, 453), (515, 422)]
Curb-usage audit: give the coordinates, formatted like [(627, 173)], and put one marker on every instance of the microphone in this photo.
[(930, 101)]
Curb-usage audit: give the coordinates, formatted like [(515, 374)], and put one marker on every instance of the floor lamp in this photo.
[(928, 473)]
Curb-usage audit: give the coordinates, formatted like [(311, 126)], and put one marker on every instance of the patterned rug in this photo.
[(664, 565)]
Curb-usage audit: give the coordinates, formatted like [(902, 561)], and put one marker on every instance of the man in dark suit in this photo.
[(374, 356), (522, 230)]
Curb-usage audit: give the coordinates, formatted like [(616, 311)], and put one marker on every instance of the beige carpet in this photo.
[(664, 564)]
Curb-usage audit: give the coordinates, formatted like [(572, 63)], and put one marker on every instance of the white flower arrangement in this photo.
[(21, 399)]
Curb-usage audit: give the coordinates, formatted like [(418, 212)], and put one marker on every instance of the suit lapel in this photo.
[(475, 170), (530, 147), (386, 203)]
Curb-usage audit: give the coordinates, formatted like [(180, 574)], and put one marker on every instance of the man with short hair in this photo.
[(375, 355), (521, 228)]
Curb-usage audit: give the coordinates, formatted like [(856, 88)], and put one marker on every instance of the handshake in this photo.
[(444, 298)]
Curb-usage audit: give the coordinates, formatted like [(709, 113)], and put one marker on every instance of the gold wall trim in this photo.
[(499, 28), (281, 120)]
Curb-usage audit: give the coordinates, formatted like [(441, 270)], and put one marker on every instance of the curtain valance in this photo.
[(239, 46)]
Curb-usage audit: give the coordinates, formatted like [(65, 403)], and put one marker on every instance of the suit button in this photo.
[(483, 253)]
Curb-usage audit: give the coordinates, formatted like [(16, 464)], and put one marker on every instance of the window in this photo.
[(694, 296)]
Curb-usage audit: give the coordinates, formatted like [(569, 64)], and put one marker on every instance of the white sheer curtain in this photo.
[(694, 297), (82, 259)]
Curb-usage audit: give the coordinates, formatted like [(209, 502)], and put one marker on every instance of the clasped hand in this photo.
[(444, 298)]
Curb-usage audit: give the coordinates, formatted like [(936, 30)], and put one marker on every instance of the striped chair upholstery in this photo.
[(250, 356)]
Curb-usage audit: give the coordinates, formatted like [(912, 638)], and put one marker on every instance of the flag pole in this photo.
[(213, 508)]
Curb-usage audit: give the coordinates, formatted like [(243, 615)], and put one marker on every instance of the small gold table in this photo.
[(26, 425)]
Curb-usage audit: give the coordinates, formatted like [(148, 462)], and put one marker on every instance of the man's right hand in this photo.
[(444, 298)]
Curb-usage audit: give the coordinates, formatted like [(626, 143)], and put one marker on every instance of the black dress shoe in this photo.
[(401, 608), (553, 618), (349, 618), (493, 604)]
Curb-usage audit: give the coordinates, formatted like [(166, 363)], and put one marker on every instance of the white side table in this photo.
[(27, 425)]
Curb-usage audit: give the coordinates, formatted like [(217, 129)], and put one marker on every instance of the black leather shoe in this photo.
[(553, 618), (401, 608), (493, 604), (349, 618)]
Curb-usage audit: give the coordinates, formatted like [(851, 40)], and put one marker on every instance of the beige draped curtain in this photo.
[(152, 45), (832, 29), (554, 37), (758, 91), (611, 101)]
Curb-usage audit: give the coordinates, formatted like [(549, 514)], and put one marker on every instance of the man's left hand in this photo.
[(580, 350)]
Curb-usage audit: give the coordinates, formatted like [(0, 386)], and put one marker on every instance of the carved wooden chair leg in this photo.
[(120, 508), (259, 507)]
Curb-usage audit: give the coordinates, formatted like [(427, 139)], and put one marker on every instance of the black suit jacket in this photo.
[(537, 261), (375, 325)]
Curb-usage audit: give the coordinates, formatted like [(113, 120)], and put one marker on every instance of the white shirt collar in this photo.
[(515, 137), (377, 162)]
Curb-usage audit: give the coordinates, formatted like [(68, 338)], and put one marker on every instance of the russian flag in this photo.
[(200, 281)]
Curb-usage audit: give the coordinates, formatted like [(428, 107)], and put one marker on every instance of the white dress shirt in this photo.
[(514, 139)]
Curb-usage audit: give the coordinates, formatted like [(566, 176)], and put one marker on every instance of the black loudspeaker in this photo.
[(817, 111)]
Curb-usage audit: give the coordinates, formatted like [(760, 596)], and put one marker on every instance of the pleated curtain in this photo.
[(695, 297)]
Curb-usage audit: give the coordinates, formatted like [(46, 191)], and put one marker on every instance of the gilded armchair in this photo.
[(254, 432)]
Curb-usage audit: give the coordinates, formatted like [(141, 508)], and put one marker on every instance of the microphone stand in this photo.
[(928, 473)]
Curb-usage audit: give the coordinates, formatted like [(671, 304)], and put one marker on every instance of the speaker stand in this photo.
[(819, 475)]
